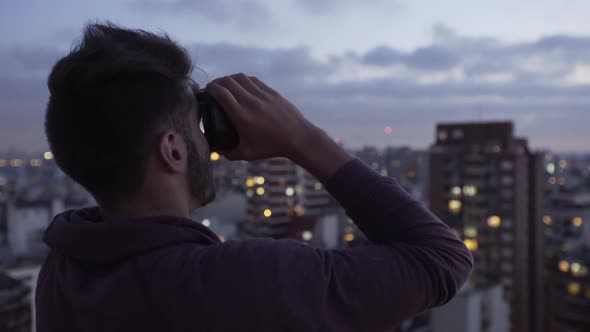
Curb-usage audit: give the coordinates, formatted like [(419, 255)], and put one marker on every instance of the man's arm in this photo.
[(414, 261)]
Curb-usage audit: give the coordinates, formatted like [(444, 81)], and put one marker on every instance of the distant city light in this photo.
[(35, 162), (249, 192), (547, 220), (222, 238), (260, 191), (494, 221), (564, 266), (455, 206), (306, 235), (299, 210), (471, 244), (388, 130), (577, 221), (267, 213), (16, 163), (551, 168), (318, 186), (574, 288), (576, 268), (348, 237), (260, 180), (206, 222), (249, 182), (289, 191), (214, 156), (375, 165), (470, 231), (470, 190), (561, 180), (3, 163), (456, 191), (552, 180), (563, 163), (48, 155)]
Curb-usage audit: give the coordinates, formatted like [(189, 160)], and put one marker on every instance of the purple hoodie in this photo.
[(172, 274)]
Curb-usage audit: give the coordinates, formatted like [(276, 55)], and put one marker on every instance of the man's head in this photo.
[(122, 119)]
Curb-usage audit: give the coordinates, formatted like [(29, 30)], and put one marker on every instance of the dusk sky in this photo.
[(353, 67)]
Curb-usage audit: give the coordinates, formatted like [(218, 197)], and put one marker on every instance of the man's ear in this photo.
[(172, 152)]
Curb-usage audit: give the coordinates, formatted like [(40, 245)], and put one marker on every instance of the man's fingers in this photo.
[(226, 99), (238, 91), (250, 86), (263, 86)]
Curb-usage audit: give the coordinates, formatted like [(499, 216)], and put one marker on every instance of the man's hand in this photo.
[(270, 126)]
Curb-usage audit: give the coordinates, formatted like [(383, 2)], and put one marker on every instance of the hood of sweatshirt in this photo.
[(84, 235)]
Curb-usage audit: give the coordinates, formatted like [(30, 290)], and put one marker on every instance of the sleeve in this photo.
[(414, 262)]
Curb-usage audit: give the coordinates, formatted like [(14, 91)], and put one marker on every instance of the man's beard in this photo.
[(200, 177)]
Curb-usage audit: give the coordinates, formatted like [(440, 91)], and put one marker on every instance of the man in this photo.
[(122, 121)]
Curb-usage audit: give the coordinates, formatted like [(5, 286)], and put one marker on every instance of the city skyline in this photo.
[(402, 64)]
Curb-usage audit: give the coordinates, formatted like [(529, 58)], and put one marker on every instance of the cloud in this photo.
[(242, 14), (325, 7), (542, 85)]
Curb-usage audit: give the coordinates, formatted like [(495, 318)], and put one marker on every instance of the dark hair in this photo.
[(110, 100)]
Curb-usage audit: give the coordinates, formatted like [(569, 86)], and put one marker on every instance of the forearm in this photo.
[(319, 154)]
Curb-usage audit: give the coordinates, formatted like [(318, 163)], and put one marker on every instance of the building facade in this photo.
[(488, 186)]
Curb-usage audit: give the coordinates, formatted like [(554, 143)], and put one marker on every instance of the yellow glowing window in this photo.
[(494, 221), (250, 182), (470, 231), (260, 191), (564, 266), (48, 155), (577, 221), (267, 213), (348, 237), (574, 288), (260, 180), (455, 206), (471, 244), (214, 156), (547, 220)]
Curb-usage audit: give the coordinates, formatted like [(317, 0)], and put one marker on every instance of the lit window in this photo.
[(455, 206), (3, 163), (214, 156), (206, 222), (306, 235), (260, 191), (574, 288), (16, 163), (35, 162), (299, 210), (249, 193), (442, 135), (470, 231), (563, 163), (260, 180), (250, 182), (470, 190), (547, 220), (551, 168), (564, 266), (348, 237), (456, 191), (267, 213), (48, 155), (579, 270), (577, 221), (471, 244), (552, 180), (317, 186), (375, 165), (289, 191), (494, 221)]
